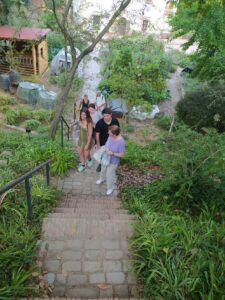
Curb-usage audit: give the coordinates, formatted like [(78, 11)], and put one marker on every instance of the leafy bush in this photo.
[(32, 124), (193, 171), (7, 100), (178, 243), (18, 239), (164, 122), (203, 108), (27, 153), (135, 69), (14, 116), (178, 258)]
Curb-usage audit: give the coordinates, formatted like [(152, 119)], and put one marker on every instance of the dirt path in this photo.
[(174, 86)]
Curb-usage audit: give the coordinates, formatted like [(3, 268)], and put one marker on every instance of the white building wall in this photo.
[(135, 13)]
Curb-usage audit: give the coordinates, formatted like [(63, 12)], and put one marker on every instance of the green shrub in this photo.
[(192, 165), (125, 127), (203, 108), (12, 116), (135, 69), (7, 100), (32, 124), (164, 122), (178, 258)]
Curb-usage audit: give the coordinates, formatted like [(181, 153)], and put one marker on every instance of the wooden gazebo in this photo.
[(23, 49)]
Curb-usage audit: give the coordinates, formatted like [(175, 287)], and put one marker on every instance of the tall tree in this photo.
[(204, 23), (63, 20), (12, 12)]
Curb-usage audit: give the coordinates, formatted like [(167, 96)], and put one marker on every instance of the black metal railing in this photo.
[(63, 121), (26, 177), (74, 111)]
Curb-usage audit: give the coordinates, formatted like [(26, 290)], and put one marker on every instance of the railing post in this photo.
[(68, 133), (47, 174), (74, 111), (62, 132), (29, 206)]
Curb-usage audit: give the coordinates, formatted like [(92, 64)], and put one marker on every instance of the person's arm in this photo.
[(97, 136), (90, 130), (116, 154), (80, 104)]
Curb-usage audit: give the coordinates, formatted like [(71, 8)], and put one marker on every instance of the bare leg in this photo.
[(81, 154)]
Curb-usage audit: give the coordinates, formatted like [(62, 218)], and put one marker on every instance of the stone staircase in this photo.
[(86, 238)]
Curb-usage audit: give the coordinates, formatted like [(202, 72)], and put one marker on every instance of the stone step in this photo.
[(92, 204), (86, 210), (63, 228), (91, 215), (66, 298), (91, 199), (81, 244)]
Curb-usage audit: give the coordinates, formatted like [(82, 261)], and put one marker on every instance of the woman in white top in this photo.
[(100, 102)]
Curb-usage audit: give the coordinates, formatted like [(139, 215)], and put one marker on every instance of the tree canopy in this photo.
[(204, 23)]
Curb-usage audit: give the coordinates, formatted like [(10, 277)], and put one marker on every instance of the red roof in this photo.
[(26, 34)]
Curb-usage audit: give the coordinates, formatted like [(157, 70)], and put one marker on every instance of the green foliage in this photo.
[(32, 124), (55, 40), (178, 258), (193, 172), (137, 156), (64, 160), (204, 22), (27, 153), (164, 122), (178, 244), (18, 114), (17, 238), (204, 108), (7, 100), (126, 127), (60, 80), (135, 69)]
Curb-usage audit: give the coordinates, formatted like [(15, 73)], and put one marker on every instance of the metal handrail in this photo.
[(26, 178)]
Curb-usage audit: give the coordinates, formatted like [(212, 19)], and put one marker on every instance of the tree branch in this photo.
[(90, 48)]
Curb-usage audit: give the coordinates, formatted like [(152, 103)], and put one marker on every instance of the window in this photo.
[(96, 22), (144, 25), (42, 53)]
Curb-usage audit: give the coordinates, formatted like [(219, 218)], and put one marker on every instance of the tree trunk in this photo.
[(61, 100)]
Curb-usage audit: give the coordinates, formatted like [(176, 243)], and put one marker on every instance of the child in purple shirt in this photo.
[(115, 148)]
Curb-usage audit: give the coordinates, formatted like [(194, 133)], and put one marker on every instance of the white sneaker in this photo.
[(99, 181), (109, 192)]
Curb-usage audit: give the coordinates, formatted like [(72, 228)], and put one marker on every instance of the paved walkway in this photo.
[(86, 238)]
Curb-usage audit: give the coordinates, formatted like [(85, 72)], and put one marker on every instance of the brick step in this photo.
[(91, 215), (63, 298), (94, 205), (92, 210), (81, 244), (91, 198), (63, 228)]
